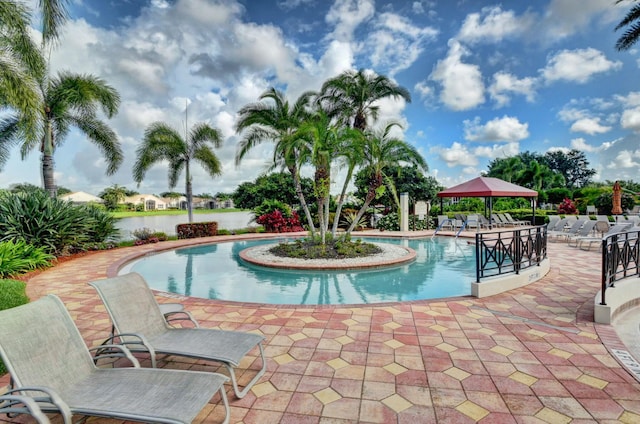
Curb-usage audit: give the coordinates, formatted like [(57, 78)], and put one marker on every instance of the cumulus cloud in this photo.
[(582, 145), (347, 15), (577, 65), (507, 129), (462, 85), (505, 84), (626, 159), (563, 19), (630, 119), (498, 150), (457, 154), (589, 126), (493, 24)]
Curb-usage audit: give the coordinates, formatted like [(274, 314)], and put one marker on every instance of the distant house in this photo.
[(80, 198), (176, 202), (149, 202)]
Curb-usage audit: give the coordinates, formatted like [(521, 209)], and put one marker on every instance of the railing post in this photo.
[(478, 248), (518, 251), (603, 287)]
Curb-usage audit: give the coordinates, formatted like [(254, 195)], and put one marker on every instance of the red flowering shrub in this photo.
[(567, 207), (276, 222)]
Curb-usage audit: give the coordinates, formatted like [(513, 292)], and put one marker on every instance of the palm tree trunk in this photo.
[(371, 195), (48, 181), (301, 199), (336, 218), (189, 193)]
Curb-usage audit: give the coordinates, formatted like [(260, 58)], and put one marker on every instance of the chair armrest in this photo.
[(113, 351), (10, 403), (134, 343), (181, 316)]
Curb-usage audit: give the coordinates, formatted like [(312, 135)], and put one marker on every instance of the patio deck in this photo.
[(533, 355)]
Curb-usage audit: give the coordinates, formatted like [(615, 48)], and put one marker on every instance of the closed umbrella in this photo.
[(617, 199)]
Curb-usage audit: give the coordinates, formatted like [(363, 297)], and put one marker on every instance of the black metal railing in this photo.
[(504, 252), (620, 257)]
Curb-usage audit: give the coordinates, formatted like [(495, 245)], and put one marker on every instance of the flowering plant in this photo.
[(567, 207), (276, 222)]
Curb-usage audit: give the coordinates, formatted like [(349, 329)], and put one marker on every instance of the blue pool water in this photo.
[(444, 267)]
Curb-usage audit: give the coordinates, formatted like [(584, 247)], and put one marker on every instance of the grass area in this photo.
[(133, 214)]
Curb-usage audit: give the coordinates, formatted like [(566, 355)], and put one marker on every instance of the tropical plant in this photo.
[(274, 186), (12, 293), (163, 143), (55, 225), (632, 33), (275, 121), (352, 96), (573, 166), (113, 196), (381, 150), (19, 257), (66, 100), (567, 207)]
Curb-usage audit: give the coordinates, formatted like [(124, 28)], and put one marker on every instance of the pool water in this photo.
[(444, 267)]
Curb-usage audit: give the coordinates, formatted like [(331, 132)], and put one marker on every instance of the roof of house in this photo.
[(487, 187), (80, 197)]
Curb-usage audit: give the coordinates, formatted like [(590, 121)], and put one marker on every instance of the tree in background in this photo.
[(632, 33), (113, 196), (573, 166), (275, 186), (163, 143)]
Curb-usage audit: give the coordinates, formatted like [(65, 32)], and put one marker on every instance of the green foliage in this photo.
[(557, 195), (271, 205), (349, 216), (573, 166), (12, 294), (197, 229), (604, 202), (275, 186), (313, 248), (19, 257), (55, 225), (389, 222), (468, 204)]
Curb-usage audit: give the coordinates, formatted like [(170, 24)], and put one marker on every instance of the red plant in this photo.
[(567, 207), (276, 222)]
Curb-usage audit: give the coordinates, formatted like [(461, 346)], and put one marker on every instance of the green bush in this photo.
[(53, 224), (12, 294), (19, 257), (269, 206)]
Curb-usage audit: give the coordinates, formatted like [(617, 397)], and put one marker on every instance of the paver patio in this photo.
[(532, 355)]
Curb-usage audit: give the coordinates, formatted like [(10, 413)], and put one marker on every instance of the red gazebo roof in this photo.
[(487, 187)]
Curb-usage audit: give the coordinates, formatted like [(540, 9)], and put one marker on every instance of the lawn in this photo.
[(130, 214)]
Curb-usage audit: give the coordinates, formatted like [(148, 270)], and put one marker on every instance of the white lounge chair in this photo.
[(140, 325), (45, 354)]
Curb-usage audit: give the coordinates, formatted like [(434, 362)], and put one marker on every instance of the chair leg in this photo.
[(241, 393), (225, 402)]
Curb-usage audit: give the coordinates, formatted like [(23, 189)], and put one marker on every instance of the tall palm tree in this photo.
[(161, 142), (276, 121), (352, 96), (65, 100), (632, 33), (18, 88), (382, 150), (351, 155)]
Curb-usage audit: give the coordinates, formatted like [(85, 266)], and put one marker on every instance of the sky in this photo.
[(487, 79)]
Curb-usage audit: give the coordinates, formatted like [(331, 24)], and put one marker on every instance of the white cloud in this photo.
[(506, 129), (497, 150), (581, 144), (589, 126), (626, 159), (563, 19), (347, 15), (504, 84), (630, 119), (577, 65), (492, 25), (462, 86), (632, 99), (457, 154)]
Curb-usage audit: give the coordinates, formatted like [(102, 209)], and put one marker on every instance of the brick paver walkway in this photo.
[(532, 355)]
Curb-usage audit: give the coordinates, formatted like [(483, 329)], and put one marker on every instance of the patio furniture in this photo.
[(586, 230), (513, 221), (615, 229), (591, 210), (16, 404), (445, 222), (572, 230), (141, 326), (45, 353)]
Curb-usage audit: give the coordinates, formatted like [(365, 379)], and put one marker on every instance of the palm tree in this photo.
[(632, 34), (161, 142), (352, 96), (18, 89), (276, 121), (65, 100), (382, 150)]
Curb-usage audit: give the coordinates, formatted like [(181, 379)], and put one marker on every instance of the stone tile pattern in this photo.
[(533, 355)]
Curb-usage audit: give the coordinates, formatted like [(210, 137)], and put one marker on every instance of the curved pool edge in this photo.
[(313, 265)]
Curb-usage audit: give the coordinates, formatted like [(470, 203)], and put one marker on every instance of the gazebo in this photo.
[(489, 187)]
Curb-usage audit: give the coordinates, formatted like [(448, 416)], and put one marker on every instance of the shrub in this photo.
[(567, 207), (53, 224), (604, 202), (557, 195), (19, 257), (12, 294), (196, 229), (277, 222), (270, 206), (389, 222)]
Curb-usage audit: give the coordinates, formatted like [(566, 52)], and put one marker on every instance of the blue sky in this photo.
[(487, 79)]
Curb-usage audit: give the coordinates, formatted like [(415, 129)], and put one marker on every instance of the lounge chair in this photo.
[(513, 221), (586, 230), (445, 222), (45, 353), (615, 229), (16, 404), (572, 231), (497, 221), (139, 324), (553, 221)]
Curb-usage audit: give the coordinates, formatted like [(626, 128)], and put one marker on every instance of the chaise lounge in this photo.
[(140, 325), (49, 363)]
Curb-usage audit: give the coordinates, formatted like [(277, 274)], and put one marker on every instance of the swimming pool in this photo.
[(444, 267)]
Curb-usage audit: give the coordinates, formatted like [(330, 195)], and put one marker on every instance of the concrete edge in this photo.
[(502, 283), (622, 296)]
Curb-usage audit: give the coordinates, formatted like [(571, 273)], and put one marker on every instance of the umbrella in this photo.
[(617, 199)]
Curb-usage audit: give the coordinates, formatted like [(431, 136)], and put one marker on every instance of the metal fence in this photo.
[(620, 257), (509, 251)]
